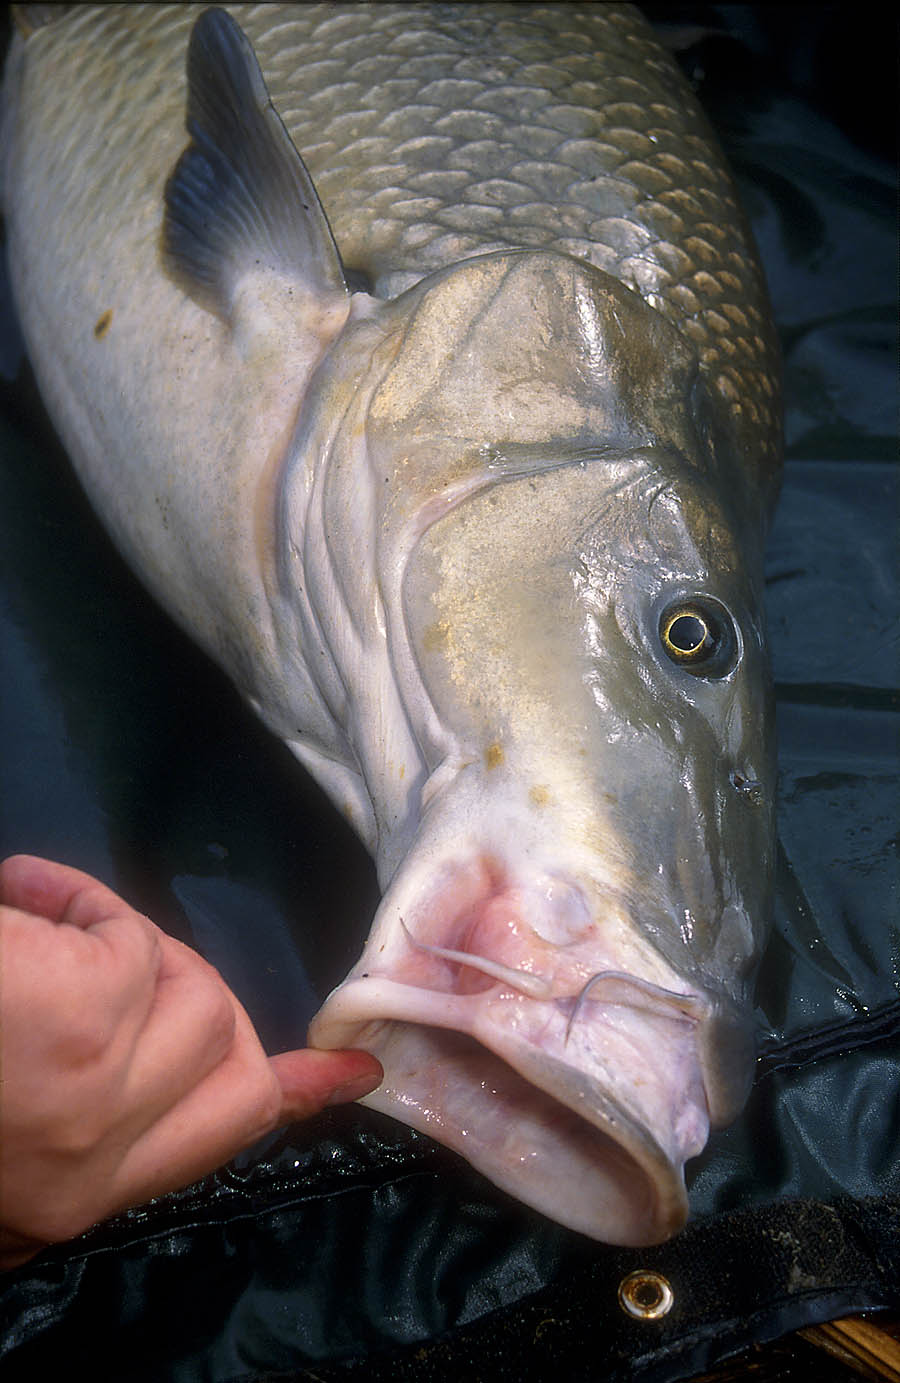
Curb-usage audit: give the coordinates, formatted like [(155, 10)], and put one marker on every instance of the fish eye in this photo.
[(699, 635)]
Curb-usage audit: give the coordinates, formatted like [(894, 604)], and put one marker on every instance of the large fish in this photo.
[(453, 441)]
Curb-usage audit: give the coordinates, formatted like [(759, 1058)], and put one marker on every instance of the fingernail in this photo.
[(353, 1090)]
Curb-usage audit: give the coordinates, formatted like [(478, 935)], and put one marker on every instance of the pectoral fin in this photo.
[(240, 200)]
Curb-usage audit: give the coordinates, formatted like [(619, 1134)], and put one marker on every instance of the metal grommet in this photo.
[(645, 1295)]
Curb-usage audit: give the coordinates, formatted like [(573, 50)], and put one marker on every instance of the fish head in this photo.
[(592, 637), (559, 977)]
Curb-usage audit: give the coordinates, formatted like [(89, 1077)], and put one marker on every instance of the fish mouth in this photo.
[(536, 1127), (582, 1100)]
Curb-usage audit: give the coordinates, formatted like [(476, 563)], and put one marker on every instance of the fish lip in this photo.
[(582, 1099), (573, 1126), (599, 1108)]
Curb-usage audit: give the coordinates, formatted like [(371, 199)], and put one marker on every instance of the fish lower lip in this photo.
[(539, 1127)]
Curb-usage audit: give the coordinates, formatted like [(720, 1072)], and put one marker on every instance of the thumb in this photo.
[(310, 1079)]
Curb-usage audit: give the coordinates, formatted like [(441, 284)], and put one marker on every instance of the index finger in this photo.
[(58, 892)]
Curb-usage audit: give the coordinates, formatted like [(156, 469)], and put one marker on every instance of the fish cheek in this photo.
[(693, 844)]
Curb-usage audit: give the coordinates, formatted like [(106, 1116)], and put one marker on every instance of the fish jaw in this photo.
[(584, 1109)]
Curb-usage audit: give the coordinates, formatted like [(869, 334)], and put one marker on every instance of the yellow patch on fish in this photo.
[(436, 636)]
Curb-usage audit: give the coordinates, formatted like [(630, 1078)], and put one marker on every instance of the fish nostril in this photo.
[(750, 788), (357, 280)]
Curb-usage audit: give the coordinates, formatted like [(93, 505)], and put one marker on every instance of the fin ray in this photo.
[(240, 198)]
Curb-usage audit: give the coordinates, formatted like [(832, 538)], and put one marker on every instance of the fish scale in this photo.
[(616, 173), (547, 127)]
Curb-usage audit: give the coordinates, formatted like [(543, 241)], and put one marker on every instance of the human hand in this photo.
[(128, 1066)]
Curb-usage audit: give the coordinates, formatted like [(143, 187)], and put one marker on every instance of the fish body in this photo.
[(418, 359)]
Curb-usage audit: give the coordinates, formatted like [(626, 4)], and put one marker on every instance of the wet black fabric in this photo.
[(351, 1247)]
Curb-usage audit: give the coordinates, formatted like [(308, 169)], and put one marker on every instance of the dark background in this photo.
[(124, 752)]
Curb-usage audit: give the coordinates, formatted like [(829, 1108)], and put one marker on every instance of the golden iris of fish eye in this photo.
[(698, 638), (687, 635)]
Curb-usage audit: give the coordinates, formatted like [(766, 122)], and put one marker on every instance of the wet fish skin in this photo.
[(434, 550), (405, 114)]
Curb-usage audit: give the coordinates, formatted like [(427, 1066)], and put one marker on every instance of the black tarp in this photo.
[(350, 1246)]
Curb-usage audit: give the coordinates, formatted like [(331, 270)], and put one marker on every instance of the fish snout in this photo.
[(512, 1026)]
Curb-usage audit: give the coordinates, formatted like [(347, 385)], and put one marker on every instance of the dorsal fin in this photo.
[(240, 199)]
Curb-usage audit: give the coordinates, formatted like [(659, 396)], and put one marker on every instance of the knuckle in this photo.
[(67, 1124), (77, 1137), (55, 1221), (136, 955), (83, 1044), (215, 1011), (144, 939), (264, 1109)]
